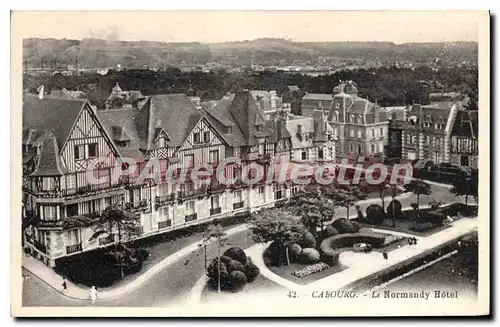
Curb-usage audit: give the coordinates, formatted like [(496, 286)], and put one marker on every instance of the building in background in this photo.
[(464, 139)]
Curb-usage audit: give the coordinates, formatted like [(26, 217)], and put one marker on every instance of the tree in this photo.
[(345, 196), (278, 227), (210, 233), (465, 186), (418, 187), (217, 233), (393, 207), (314, 208), (116, 218)]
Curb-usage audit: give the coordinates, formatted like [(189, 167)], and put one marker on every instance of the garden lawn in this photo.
[(160, 251), (260, 283), (286, 272)]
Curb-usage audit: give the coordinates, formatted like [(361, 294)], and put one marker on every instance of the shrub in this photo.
[(343, 226), (397, 208), (375, 214), (309, 270), (330, 231), (307, 240), (142, 254), (212, 273), (309, 255), (225, 260), (251, 271), (294, 251), (237, 254), (273, 254), (238, 280), (235, 266)]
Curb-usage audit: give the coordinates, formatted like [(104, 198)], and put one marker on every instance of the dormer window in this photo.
[(258, 128), (337, 105), (229, 129), (161, 142)]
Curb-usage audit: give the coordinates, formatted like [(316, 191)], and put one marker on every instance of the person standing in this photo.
[(64, 284), (386, 257), (93, 294)]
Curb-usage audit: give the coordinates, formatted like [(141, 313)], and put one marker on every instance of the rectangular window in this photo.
[(92, 150), (49, 213), (381, 131), (48, 184), (206, 137), (196, 138), (351, 132), (237, 197), (304, 155), (373, 132), (372, 148), (214, 201), (79, 152), (73, 236), (214, 156), (161, 142), (320, 153), (190, 208), (189, 160), (262, 194)]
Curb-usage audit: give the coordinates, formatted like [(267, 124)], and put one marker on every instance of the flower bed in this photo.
[(309, 270), (390, 239)]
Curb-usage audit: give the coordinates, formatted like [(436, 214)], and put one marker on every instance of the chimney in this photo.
[(273, 99)]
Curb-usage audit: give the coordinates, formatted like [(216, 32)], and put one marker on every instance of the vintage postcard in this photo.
[(250, 163)]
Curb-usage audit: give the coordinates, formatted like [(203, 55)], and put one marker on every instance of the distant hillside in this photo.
[(96, 53)]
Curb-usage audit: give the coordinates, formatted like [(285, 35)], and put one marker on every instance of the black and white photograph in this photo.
[(250, 163)]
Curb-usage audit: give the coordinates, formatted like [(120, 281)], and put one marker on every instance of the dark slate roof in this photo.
[(264, 99), (466, 124), (120, 123), (244, 112), (219, 116), (53, 114), (49, 162), (174, 112)]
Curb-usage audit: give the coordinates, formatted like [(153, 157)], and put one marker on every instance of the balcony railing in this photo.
[(164, 224), (164, 199), (215, 211), (95, 214), (81, 190), (137, 205), (188, 194), (74, 248), (238, 205), (192, 217), (216, 187)]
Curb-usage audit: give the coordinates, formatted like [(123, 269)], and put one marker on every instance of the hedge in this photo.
[(235, 266), (251, 271), (238, 280), (329, 246), (294, 251)]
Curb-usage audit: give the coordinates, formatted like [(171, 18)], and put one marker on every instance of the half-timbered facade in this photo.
[(464, 139), (78, 161)]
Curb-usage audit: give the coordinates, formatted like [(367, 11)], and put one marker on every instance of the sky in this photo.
[(222, 26)]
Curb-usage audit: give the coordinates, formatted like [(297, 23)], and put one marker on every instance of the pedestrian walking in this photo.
[(410, 241), (64, 284), (414, 240), (386, 257), (93, 294)]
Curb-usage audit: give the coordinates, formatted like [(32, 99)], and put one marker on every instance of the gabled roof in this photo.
[(466, 124), (219, 115), (124, 119), (174, 112), (49, 162), (245, 113), (54, 114)]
